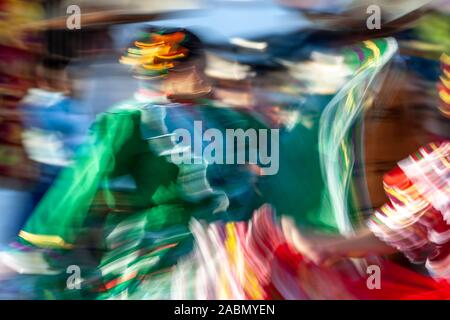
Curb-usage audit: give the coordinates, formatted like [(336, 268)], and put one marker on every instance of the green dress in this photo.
[(135, 229)]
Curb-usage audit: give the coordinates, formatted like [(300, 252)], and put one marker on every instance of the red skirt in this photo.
[(295, 278)]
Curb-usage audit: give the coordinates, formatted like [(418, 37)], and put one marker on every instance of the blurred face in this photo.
[(185, 79)]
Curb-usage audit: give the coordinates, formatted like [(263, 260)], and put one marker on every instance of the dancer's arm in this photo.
[(59, 218), (321, 249), (359, 245)]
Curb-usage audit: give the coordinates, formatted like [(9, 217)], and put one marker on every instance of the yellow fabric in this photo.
[(46, 241)]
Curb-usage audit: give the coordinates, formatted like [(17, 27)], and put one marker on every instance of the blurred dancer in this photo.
[(121, 212)]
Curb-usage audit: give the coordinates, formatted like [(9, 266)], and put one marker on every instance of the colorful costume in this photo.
[(124, 186), (252, 260), (416, 221), (127, 215)]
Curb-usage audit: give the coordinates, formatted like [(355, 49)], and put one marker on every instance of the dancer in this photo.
[(122, 211)]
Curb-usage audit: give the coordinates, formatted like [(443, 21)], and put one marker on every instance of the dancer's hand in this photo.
[(307, 247)]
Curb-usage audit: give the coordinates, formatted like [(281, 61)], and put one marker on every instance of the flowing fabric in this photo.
[(241, 260)]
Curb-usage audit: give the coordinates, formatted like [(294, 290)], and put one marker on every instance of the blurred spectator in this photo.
[(54, 123)]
